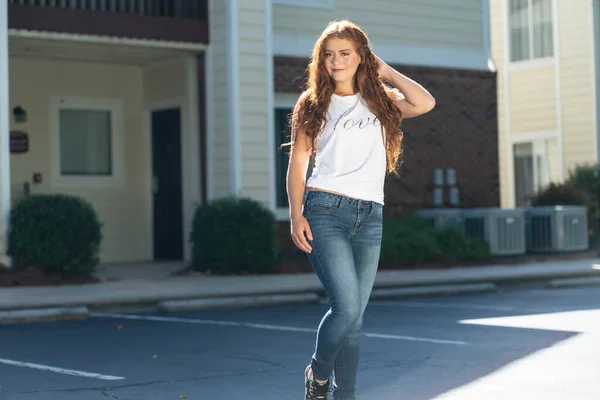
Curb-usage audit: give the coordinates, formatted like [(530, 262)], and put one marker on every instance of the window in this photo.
[(87, 145), (532, 169), (531, 29), (85, 142), (306, 3), (282, 135)]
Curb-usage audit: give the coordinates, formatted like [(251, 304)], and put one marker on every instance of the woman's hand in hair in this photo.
[(382, 67)]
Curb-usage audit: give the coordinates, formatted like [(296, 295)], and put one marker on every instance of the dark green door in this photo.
[(166, 186)]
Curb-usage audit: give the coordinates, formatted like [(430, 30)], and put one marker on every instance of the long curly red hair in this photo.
[(311, 109)]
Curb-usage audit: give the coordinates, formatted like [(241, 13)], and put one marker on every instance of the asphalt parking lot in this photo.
[(519, 344)]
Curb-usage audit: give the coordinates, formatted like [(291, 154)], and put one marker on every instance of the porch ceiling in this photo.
[(72, 50)]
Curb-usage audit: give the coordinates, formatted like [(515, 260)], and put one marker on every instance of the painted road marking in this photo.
[(60, 370), (442, 305), (266, 326)]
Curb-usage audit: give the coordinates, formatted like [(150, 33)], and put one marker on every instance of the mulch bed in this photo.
[(293, 262), (39, 276)]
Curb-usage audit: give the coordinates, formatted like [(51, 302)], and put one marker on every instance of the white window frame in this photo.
[(116, 109), (531, 62), (283, 100), (306, 3), (537, 139)]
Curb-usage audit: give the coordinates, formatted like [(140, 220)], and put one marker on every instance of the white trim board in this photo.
[(116, 108), (532, 64), (509, 157), (445, 57), (559, 108), (233, 75), (5, 201), (210, 136), (486, 33), (286, 100), (328, 4), (533, 136), (270, 104), (595, 34), (100, 39), (190, 147)]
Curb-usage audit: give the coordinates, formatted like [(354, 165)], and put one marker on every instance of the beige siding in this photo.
[(577, 83), (254, 105), (533, 100), (498, 57), (165, 82), (454, 23), (553, 164), (122, 210), (220, 101)]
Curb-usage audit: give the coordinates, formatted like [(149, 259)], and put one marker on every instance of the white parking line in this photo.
[(265, 326), (442, 305), (60, 370), (416, 339)]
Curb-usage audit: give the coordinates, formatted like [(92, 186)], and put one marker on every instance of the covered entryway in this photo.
[(116, 122), (166, 184)]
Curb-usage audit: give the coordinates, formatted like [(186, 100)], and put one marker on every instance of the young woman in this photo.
[(350, 121)]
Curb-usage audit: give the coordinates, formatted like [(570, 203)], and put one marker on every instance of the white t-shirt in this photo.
[(350, 151)]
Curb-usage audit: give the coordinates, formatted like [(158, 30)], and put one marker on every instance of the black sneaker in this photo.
[(313, 390)]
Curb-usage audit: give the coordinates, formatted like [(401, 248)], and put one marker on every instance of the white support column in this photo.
[(270, 103), (4, 134), (233, 73), (191, 152)]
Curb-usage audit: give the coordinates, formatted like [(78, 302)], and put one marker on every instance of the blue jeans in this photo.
[(345, 255)]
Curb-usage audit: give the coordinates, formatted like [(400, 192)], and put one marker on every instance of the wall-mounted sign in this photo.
[(19, 142)]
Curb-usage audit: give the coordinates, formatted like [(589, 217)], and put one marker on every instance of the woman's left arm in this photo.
[(415, 100)]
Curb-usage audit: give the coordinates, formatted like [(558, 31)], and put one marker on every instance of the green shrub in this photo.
[(586, 178), (58, 232), (561, 194), (233, 235), (459, 247), (566, 194), (409, 241)]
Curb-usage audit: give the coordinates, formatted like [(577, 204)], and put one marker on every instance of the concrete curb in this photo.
[(237, 301), (43, 314), (434, 290), (573, 282)]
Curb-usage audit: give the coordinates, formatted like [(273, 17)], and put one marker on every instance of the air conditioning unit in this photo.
[(557, 228), (502, 229), (441, 218)]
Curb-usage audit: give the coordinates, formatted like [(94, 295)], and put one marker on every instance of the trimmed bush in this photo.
[(586, 178), (58, 232), (561, 194), (409, 241), (567, 194), (459, 247), (233, 235)]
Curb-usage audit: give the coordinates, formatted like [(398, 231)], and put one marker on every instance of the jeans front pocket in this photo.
[(377, 212), (320, 204)]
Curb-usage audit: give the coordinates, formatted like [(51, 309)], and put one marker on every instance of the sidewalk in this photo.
[(193, 292)]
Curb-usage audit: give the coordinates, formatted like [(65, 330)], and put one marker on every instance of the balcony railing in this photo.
[(184, 9)]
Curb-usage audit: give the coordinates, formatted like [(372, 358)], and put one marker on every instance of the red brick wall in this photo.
[(460, 132)]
